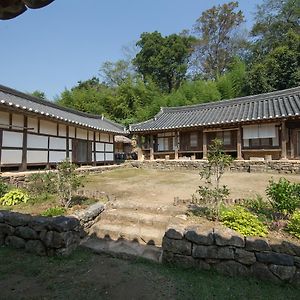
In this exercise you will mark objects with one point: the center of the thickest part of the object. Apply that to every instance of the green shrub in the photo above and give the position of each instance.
(3, 188)
(53, 212)
(243, 221)
(41, 183)
(284, 196)
(259, 206)
(14, 197)
(293, 226)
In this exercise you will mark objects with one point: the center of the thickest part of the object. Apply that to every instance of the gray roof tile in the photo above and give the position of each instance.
(10, 97)
(279, 104)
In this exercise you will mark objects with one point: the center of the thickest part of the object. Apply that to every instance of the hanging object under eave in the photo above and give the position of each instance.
(10, 9)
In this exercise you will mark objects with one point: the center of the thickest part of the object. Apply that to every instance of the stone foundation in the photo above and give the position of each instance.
(39, 235)
(228, 252)
(275, 166)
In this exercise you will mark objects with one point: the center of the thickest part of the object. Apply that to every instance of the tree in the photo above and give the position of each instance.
(219, 39)
(163, 60)
(38, 94)
(273, 19)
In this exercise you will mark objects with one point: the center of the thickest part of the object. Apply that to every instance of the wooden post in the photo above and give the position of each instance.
(23, 166)
(204, 145)
(94, 146)
(139, 148)
(239, 144)
(292, 143)
(176, 144)
(151, 148)
(283, 141)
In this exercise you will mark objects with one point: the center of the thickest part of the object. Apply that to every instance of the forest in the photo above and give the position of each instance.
(216, 59)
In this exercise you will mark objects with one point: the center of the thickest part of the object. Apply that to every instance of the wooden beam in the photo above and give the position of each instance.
(204, 145)
(151, 148)
(176, 145)
(239, 144)
(283, 140)
(23, 166)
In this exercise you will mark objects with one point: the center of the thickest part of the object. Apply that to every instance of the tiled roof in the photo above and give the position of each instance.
(269, 106)
(10, 97)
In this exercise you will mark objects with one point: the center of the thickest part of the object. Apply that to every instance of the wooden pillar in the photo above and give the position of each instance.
(176, 144)
(139, 148)
(94, 146)
(204, 145)
(151, 148)
(239, 144)
(292, 143)
(283, 141)
(23, 166)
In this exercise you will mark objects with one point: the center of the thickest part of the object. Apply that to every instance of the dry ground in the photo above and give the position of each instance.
(161, 186)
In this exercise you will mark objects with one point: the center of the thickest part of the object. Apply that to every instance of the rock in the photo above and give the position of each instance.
(6, 229)
(53, 239)
(35, 247)
(199, 236)
(184, 261)
(200, 251)
(40, 223)
(231, 268)
(245, 257)
(62, 224)
(275, 258)
(15, 242)
(90, 212)
(177, 246)
(255, 244)
(175, 233)
(17, 219)
(26, 233)
(297, 261)
(228, 237)
(2, 239)
(281, 246)
(65, 251)
(202, 264)
(167, 257)
(261, 271)
(296, 279)
(283, 272)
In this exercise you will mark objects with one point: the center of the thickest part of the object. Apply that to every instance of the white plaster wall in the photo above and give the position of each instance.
(32, 123)
(109, 147)
(37, 141)
(100, 156)
(104, 137)
(4, 119)
(109, 156)
(62, 130)
(47, 127)
(55, 156)
(72, 132)
(18, 120)
(70, 144)
(11, 157)
(12, 139)
(37, 156)
(58, 143)
(99, 147)
(81, 134)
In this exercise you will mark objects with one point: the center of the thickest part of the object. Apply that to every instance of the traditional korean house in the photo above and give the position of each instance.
(265, 126)
(35, 133)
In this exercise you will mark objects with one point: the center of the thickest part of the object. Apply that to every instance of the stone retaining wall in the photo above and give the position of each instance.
(228, 252)
(39, 235)
(274, 166)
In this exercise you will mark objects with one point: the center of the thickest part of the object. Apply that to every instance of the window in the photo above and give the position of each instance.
(225, 137)
(194, 139)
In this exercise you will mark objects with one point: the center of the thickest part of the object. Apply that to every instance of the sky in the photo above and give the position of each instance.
(53, 48)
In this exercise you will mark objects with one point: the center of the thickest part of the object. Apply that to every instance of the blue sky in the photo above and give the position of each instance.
(50, 49)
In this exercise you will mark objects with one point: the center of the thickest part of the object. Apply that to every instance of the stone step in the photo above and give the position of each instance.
(154, 209)
(134, 232)
(122, 249)
(128, 217)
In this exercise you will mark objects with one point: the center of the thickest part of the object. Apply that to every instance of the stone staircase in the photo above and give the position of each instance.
(133, 229)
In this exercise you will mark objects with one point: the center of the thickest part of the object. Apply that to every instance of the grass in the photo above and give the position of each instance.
(87, 276)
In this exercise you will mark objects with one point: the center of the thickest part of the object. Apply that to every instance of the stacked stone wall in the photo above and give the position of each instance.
(228, 252)
(39, 235)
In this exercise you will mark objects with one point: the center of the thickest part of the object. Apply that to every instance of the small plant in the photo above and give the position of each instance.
(243, 221)
(14, 197)
(211, 193)
(41, 183)
(67, 182)
(53, 212)
(3, 188)
(259, 206)
(284, 196)
(293, 226)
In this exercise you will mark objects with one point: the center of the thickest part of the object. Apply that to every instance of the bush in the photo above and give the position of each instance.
(53, 212)
(41, 184)
(3, 188)
(284, 196)
(293, 226)
(243, 221)
(14, 197)
(259, 206)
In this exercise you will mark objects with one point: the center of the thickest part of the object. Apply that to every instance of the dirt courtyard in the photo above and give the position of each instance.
(161, 186)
